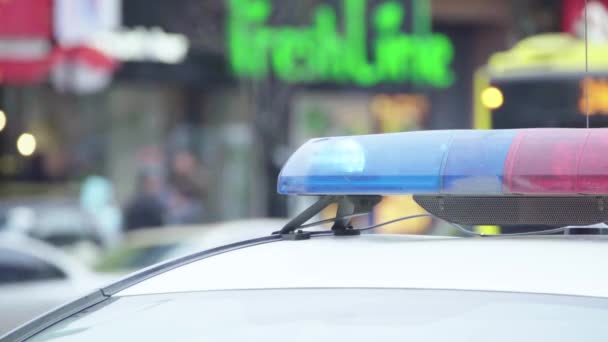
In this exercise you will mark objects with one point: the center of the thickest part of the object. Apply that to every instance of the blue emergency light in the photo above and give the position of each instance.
(455, 162)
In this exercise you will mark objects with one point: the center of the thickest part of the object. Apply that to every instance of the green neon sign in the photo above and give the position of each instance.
(323, 52)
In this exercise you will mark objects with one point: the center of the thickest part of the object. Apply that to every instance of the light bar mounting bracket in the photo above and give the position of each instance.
(348, 205)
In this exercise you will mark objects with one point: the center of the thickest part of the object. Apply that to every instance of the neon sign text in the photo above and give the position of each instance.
(323, 52)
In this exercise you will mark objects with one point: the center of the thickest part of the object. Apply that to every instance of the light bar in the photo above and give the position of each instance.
(465, 162)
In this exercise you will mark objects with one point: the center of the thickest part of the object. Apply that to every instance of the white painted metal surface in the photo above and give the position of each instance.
(552, 265)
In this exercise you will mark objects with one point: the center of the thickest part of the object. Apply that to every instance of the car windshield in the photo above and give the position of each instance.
(337, 315)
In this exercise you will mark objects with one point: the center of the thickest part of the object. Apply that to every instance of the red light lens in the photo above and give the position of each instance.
(544, 161)
(593, 165)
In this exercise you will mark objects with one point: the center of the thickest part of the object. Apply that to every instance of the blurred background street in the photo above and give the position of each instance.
(136, 131)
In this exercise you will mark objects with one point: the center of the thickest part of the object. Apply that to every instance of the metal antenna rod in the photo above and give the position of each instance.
(586, 68)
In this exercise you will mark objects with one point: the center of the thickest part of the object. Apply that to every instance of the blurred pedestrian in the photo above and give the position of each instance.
(98, 199)
(146, 209)
(188, 189)
(184, 208)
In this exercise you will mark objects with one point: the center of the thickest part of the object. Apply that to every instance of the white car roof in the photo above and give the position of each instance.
(568, 265)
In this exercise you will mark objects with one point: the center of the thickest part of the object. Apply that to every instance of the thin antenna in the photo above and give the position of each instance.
(586, 69)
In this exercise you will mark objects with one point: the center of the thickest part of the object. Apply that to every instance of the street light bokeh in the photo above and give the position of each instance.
(2, 120)
(26, 144)
(492, 98)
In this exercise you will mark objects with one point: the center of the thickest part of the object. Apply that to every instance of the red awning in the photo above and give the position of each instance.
(26, 52)
(21, 72)
(26, 19)
(31, 71)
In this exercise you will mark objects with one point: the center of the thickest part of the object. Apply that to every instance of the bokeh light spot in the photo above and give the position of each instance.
(492, 98)
(26, 144)
(2, 120)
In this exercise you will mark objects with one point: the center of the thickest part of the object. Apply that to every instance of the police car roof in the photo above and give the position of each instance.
(568, 265)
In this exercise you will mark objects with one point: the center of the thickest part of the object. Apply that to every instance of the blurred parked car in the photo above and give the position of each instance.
(59, 222)
(36, 277)
(142, 248)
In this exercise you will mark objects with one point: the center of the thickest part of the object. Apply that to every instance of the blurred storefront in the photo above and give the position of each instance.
(144, 97)
(222, 91)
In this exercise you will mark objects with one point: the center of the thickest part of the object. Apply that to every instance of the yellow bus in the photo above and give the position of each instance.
(541, 82)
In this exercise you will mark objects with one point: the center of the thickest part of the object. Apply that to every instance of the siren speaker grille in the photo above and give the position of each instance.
(489, 210)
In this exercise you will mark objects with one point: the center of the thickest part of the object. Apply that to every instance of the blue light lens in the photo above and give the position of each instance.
(369, 164)
(343, 156)
(475, 162)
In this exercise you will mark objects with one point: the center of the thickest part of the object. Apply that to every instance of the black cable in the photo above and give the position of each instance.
(470, 232)
(379, 224)
(393, 221)
(457, 226)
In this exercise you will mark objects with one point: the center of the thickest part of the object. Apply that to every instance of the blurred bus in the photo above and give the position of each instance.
(541, 82)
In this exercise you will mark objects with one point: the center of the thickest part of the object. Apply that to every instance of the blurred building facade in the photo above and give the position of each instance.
(166, 85)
